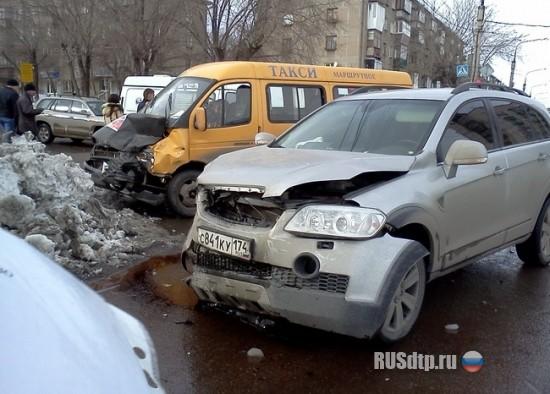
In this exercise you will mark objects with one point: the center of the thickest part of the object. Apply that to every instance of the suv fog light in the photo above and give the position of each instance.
(306, 266)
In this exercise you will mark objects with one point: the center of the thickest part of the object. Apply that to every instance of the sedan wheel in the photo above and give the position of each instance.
(405, 305)
(44, 133)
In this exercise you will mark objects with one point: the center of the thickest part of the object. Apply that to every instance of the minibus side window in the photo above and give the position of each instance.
(340, 91)
(228, 105)
(289, 103)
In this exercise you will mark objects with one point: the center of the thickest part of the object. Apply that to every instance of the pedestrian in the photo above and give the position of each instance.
(112, 109)
(148, 96)
(26, 113)
(8, 108)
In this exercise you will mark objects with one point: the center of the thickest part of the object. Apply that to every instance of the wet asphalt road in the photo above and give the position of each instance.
(501, 307)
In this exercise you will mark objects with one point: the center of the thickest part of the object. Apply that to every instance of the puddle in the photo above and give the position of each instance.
(164, 275)
(167, 280)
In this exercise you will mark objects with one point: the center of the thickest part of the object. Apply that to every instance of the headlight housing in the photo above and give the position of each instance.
(146, 157)
(336, 221)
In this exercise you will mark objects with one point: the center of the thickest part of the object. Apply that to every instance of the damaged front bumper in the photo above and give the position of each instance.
(348, 295)
(125, 173)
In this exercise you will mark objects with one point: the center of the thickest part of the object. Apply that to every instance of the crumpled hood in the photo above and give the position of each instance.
(277, 169)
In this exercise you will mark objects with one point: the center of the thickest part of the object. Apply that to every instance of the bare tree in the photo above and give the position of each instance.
(239, 29)
(32, 38)
(75, 25)
(460, 16)
(145, 27)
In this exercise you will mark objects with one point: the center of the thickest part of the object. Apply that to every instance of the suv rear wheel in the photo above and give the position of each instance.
(182, 191)
(536, 250)
(44, 134)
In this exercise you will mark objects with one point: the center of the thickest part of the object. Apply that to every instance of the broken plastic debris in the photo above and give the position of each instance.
(255, 354)
(452, 328)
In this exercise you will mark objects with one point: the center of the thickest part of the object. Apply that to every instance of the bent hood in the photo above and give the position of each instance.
(275, 170)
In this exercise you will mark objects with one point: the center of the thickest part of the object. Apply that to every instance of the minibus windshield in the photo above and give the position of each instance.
(177, 97)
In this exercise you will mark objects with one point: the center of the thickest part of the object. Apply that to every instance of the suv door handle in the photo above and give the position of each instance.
(543, 156)
(499, 170)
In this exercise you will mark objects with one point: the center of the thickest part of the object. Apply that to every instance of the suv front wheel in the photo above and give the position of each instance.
(405, 305)
(536, 250)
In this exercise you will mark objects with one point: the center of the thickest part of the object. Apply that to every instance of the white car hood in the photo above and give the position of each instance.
(275, 170)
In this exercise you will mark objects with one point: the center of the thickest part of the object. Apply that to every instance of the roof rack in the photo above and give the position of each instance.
(486, 86)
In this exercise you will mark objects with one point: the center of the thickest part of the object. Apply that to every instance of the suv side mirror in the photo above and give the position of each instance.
(85, 112)
(263, 138)
(463, 152)
(200, 119)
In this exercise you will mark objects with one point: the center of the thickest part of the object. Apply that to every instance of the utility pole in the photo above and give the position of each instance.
(477, 47)
(513, 69)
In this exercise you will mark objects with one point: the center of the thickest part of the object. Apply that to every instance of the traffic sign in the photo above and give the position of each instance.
(462, 70)
(26, 71)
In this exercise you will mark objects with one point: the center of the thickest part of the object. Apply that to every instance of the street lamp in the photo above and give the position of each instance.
(529, 72)
(511, 84)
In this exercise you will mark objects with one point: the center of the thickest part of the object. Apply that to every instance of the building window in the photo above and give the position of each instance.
(403, 5)
(404, 51)
(402, 27)
(434, 25)
(287, 45)
(421, 38)
(332, 15)
(421, 17)
(288, 20)
(330, 43)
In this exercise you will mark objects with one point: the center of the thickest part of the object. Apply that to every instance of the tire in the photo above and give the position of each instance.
(405, 304)
(181, 192)
(44, 134)
(536, 249)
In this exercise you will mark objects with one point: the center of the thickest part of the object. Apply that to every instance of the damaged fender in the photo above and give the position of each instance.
(170, 153)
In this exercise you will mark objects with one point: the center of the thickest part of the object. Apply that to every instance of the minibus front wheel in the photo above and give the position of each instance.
(182, 191)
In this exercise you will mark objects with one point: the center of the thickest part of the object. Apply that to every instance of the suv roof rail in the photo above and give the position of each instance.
(486, 86)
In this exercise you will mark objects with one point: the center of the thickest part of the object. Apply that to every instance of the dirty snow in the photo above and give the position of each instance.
(51, 202)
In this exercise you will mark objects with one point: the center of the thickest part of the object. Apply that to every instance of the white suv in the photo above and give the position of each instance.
(339, 223)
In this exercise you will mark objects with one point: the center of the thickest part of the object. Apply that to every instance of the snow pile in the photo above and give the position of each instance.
(52, 203)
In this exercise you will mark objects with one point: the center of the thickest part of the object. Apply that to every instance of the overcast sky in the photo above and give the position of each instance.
(533, 55)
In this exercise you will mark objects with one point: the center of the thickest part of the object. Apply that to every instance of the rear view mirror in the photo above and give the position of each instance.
(263, 138)
(200, 119)
(463, 152)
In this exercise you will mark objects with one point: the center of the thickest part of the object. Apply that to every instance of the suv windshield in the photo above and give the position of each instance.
(177, 97)
(389, 127)
(95, 106)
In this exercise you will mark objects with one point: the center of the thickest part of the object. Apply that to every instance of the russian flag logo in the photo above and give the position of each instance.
(472, 361)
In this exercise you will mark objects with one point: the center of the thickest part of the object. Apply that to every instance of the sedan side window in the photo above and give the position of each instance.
(470, 122)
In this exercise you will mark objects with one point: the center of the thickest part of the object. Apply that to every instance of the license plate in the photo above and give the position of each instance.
(233, 246)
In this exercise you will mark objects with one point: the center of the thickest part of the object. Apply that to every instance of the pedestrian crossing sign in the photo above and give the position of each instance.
(462, 70)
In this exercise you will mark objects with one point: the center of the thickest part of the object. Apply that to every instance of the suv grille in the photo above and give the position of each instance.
(243, 208)
(219, 264)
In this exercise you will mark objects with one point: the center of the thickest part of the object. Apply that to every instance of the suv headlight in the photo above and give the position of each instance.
(336, 221)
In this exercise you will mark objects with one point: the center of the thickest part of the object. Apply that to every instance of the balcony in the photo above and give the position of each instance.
(374, 52)
(403, 15)
(399, 64)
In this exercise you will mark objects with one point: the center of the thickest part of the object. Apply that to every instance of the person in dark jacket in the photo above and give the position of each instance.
(8, 105)
(25, 111)
(148, 96)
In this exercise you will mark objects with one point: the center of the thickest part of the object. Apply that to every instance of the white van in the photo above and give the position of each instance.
(132, 90)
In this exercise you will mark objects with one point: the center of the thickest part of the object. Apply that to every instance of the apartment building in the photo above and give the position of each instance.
(385, 34)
